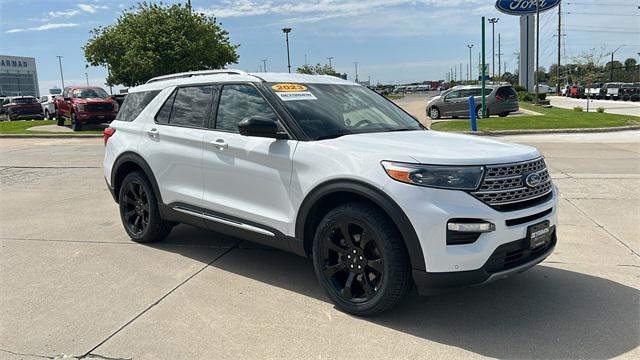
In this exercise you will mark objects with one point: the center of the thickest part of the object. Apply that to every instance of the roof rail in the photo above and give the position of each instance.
(197, 73)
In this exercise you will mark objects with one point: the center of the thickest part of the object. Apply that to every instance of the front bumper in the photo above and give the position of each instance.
(95, 118)
(507, 260)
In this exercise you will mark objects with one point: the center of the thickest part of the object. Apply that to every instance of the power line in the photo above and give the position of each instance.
(597, 14)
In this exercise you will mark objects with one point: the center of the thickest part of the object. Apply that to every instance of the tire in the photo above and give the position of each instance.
(75, 124)
(47, 116)
(504, 114)
(363, 279)
(59, 119)
(434, 113)
(138, 203)
(479, 112)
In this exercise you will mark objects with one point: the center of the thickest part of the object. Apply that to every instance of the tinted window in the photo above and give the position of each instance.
(134, 103)
(25, 100)
(507, 91)
(238, 102)
(453, 95)
(90, 93)
(165, 111)
(43, 99)
(191, 106)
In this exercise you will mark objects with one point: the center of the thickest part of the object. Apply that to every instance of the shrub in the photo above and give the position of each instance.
(600, 109)
(578, 109)
(524, 96)
(542, 96)
(519, 88)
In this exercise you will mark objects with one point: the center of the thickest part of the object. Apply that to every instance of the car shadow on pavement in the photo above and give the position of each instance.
(545, 312)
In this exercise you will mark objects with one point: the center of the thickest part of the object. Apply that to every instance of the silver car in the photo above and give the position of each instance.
(501, 100)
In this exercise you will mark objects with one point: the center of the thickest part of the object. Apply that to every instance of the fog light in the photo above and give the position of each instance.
(476, 227)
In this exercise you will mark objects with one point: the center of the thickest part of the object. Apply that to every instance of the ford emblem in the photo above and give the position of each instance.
(532, 180)
(524, 7)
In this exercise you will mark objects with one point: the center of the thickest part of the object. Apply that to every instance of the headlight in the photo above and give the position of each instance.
(446, 177)
(80, 107)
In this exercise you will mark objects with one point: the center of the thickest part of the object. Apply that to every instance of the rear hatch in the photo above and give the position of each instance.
(25, 106)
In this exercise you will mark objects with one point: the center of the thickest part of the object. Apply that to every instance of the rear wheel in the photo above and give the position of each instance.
(76, 125)
(47, 116)
(479, 114)
(504, 114)
(360, 259)
(139, 210)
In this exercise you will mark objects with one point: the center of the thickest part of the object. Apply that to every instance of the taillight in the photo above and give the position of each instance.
(500, 97)
(108, 132)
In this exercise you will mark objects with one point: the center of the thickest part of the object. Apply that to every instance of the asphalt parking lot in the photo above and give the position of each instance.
(72, 283)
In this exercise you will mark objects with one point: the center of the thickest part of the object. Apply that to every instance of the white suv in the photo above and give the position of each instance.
(329, 169)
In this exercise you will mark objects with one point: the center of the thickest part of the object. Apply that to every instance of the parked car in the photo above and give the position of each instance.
(629, 92)
(542, 88)
(610, 90)
(21, 108)
(48, 106)
(592, 91)
(577, 91)
(322, 167)
(565, 91)
(84, 105)
(500, 100)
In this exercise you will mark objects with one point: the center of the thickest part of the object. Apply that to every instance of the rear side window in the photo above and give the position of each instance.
(134, 103)
(238, 102)
(187, 106)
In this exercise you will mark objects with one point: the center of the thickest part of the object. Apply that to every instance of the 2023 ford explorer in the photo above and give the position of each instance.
(326, 168)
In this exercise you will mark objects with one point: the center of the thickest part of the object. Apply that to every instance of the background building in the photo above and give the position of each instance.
(18, 76)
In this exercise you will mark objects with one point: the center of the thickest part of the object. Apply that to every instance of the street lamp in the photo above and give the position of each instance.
(286, 32)
(330, 58)
(470, 68)
(264, 67)
(356, 65)
(493, 22)
(612, 53)
(61, 75)
(87, 77)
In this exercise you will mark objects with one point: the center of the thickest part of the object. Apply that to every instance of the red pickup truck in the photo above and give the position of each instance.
(85, 105)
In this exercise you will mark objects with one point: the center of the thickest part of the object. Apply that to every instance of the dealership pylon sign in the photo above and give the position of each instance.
(526, 9)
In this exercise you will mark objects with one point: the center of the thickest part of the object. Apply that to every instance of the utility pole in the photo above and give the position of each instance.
(559, 46)
(460, 71)
(470, 46)
(305, 60)
(87, 77)
(330, 58)
(499, 58)
(356, 65)
(286, 32)
(484, 100)
(493, 22)
(537, 47)
(264, 64)
(61, 75)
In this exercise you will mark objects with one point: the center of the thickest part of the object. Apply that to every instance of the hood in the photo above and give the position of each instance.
(433, 147)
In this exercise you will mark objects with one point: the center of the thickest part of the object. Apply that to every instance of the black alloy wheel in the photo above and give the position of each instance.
(139, 210)
(360, 259)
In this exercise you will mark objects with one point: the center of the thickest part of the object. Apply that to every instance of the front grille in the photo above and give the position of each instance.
(99, 107)
(505, 184)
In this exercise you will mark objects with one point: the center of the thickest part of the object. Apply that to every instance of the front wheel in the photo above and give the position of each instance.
(360, 259)
(139, 210)
(479, 114)
(59, 119)
(76, 125)
(434, 113)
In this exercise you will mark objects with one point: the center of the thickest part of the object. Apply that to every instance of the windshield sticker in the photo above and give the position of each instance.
(298, 95)
(289, 87)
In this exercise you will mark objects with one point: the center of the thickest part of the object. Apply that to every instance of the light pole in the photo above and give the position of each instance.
(493, 22)
(356, 65)
(61, 75)
(286, 32)
(470, 46)
(264, 65)
(330, 58)
(536, 75)
(87, 77)
(612, 53)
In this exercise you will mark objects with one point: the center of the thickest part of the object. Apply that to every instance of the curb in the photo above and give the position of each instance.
(548, 131)
(49, 136)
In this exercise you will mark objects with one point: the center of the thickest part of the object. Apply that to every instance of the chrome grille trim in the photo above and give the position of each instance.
(504, 184)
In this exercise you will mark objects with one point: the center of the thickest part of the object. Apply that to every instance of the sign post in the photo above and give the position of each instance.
(472, 112)
(484, 100)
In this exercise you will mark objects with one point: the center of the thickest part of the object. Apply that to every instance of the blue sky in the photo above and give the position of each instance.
(393, 40)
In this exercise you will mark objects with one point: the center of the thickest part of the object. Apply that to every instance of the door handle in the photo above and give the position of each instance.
(220, 144)
(153, 132)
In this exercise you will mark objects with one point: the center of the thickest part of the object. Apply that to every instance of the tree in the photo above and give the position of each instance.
(317, 69)
(149, 40)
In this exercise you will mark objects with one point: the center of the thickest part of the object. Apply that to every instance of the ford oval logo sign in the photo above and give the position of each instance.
(532, 180)
(524, 7)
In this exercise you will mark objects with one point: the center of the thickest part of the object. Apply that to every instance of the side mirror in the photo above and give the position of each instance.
(67, 99)
(260, 126)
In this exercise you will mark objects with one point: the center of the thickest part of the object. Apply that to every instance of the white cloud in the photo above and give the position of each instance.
(92, 9)
(44, 27)
(66, 13)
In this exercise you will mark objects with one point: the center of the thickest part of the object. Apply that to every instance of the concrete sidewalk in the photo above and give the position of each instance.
(72, 283)
(610, 106)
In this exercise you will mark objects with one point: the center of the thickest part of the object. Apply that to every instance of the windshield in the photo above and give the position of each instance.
(24, 100)
(90, 93)
(326, 111)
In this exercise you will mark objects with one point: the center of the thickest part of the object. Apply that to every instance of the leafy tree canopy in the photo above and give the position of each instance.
(150, 40)
(317, 69)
